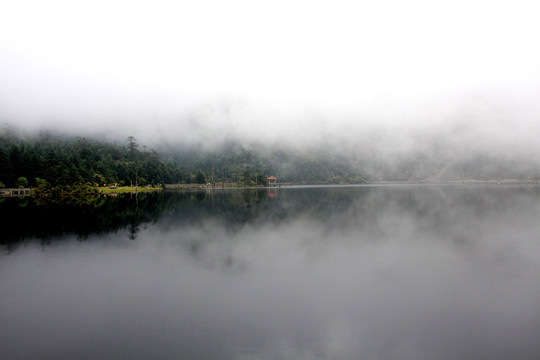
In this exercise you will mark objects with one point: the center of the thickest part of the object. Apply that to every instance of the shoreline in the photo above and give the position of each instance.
(127, 189)
(4, 193)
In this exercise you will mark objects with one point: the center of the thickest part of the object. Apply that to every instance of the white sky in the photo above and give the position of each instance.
(266, 67)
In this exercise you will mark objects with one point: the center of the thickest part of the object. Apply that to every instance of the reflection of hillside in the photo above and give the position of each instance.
(378, 212)
(233, 208)
(49, 221)
(236, 208)
(216, 228)
(360, 214)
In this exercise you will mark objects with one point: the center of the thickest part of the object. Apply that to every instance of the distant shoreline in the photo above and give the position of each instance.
(457, 182)
(367, 183)
(131, 189)
(127, 189)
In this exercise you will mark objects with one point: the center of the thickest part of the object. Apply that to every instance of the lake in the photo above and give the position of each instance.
(357, 272)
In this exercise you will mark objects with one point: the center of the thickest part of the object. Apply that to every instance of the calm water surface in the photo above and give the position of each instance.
(388, 272)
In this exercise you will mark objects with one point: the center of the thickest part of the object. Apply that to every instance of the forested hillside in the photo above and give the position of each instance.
(30, 161)
(61, 161)
(243, 163)
(27, 161)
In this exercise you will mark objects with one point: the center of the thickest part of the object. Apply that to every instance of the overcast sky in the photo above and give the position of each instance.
(193, 70)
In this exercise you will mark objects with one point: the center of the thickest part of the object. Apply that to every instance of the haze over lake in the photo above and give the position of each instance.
(358, 272)
(233, 92)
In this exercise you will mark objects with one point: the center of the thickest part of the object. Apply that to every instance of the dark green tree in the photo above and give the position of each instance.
(5, 166)
(22, 182)
(132, 147)
(200, 177)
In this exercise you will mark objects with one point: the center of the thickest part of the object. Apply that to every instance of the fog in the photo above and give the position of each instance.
(391, 77)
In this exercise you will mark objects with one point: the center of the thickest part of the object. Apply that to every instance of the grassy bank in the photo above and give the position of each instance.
(127, 189)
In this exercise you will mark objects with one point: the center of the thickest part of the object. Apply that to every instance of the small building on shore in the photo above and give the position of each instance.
(272, 181)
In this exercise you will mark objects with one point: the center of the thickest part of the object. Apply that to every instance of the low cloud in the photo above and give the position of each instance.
(362, 80)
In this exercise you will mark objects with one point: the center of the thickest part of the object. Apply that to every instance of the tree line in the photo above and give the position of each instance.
(251, 163)
(61, 161)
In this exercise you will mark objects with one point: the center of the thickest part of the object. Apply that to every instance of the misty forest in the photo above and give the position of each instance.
(68, 161)
(238, 180)
(61, 160)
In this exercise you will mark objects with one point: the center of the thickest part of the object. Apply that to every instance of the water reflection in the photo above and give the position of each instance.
(316, 273)
(51, 221)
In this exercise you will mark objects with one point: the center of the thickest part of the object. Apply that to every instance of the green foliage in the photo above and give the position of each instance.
(260, 180)
(200, 178)
(22, 182)
(40, 181)
(142, 181)
(65, 162)
(99, 179)
(77, 193)
(132, 147)
(251, 165)
(2, 185)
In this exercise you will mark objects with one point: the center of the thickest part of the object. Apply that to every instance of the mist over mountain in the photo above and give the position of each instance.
(488, 138)
(479, 140)
(351, 91)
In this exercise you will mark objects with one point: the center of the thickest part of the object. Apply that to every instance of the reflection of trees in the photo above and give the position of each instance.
(49, 221)
(370, 208)
(236, 208)
(133, 230)
(376, 210)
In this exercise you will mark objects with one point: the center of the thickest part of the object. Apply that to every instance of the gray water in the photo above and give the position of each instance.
(388, 272)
